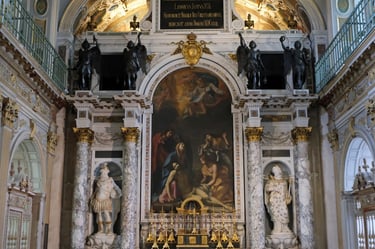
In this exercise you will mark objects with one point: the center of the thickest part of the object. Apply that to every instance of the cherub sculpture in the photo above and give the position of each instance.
(135, 58)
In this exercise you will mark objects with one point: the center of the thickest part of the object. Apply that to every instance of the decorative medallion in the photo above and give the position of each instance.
(192, 50)
(343, 5)
(41, 7)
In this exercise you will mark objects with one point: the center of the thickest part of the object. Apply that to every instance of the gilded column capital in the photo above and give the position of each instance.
(253, 134)
(51, 142)
(131, 134)
(301, 134)
(9, 113)
(84, 135)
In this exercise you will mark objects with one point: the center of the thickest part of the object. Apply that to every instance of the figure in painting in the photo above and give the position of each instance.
(169, 192)
(88, 58)
(216, 178)
(203, 95)
(101, 200)
(175, 159)
(217, 145)
(186, 189)
(135, 58)
(249, 61)
(163, 143)
(277, 197)
(295, 59)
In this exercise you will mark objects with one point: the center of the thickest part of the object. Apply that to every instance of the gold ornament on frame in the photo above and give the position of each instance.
(191, 49)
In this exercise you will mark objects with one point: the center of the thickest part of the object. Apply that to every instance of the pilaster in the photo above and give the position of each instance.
(55, 161)
(9, 115)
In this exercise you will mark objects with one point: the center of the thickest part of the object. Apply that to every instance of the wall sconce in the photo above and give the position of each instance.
(249, 23)
(134, 25)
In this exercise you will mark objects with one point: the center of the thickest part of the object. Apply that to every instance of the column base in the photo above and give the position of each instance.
(103, 241)
(282, 241)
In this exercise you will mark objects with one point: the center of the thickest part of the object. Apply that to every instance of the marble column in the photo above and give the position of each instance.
(255, 228)
(129, 205)
(8, 117)
(304, 190)
(85, 137)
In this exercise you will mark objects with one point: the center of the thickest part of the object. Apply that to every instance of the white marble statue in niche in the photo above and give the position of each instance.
(277, 197)
(102, 200)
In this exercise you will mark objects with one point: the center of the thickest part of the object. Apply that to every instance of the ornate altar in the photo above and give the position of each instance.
(192, 227)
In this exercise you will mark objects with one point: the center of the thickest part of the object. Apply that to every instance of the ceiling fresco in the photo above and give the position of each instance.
(116, 15)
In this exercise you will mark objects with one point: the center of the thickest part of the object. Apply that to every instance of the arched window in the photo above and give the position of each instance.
(358, 151)
(358, 219)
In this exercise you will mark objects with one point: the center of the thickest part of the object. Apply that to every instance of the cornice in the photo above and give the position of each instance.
(275, 99)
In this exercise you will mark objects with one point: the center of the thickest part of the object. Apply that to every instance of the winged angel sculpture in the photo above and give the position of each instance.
(249, 61)
(88, 63)
(134, 59)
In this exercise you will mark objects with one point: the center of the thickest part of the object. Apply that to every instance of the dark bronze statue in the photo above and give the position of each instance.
(135, 58)
(88, 60)
(249, 61)
(297, 60)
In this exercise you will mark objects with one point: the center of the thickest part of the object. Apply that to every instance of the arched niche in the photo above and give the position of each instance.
(116, 173)
(288, 176)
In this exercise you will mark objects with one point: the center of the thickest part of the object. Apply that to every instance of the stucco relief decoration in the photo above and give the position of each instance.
(51, 142)
(277, 138)
(107, 138)
(371, 75)
(191, 49)
(370, 106)
(333, 139)
(10, 112)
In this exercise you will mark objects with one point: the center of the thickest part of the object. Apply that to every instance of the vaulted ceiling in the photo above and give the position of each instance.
(116, 15)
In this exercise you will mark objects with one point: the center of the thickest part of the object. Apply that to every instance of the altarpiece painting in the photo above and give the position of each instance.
(192, 142)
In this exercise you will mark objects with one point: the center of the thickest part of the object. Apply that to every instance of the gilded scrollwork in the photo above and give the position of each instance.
(282, 138)
(333, 139)
(51, 142)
